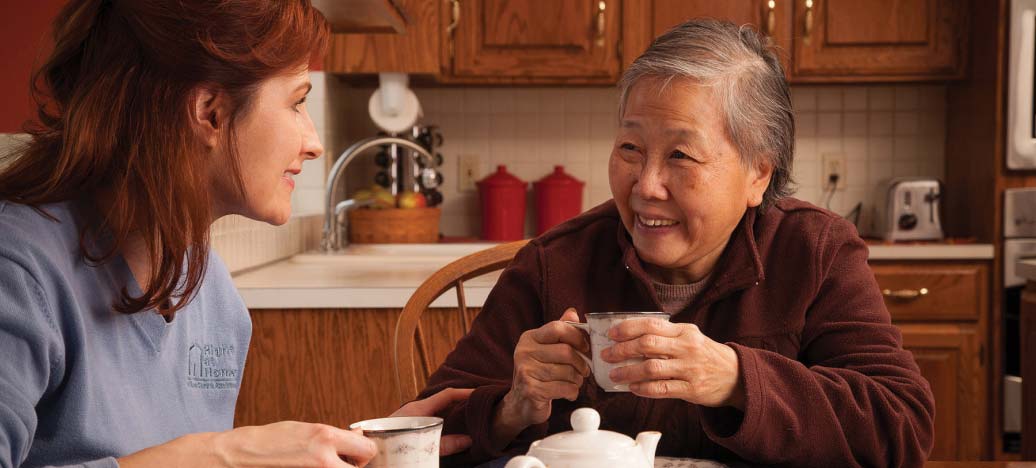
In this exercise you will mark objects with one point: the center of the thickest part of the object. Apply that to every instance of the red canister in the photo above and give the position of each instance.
(559, 197)
(503, 206)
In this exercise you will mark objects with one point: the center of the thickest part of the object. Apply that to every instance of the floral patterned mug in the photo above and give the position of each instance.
(411, 442)
(597, 326)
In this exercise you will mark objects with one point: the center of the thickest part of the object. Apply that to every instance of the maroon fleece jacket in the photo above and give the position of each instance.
(827, 380)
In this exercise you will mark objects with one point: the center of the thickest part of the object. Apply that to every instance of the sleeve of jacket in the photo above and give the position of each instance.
(484, 358)
(31, 348)
(854, 397)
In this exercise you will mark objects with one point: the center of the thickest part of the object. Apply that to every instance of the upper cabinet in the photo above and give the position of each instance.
(533, 40)
(591, 41)
(355, 16)
(644, 20)
(878, 40)
(416, 50)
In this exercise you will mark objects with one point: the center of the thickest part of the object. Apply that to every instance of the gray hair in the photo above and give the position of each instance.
(749, 79)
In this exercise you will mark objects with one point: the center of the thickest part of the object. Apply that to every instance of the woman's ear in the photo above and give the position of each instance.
(758, 181)
(207, 115)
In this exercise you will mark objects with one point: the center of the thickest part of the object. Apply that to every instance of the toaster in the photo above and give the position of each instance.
(907, 208)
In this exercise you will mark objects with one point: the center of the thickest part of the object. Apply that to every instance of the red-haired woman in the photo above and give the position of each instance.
(123, 338)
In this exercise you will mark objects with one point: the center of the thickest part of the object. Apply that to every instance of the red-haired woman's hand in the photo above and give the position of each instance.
(282, 444)
(294, 444)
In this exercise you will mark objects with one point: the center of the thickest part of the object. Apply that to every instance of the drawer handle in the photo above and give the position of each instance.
(601, 6)
(905, 294)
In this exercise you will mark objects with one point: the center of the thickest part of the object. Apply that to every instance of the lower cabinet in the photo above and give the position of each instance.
(331, 366)
(949, 357)
(942, 308)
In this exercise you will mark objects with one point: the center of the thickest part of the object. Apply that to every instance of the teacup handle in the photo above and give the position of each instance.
(586, 328)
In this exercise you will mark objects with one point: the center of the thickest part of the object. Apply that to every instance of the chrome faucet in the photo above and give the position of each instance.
(333, 230)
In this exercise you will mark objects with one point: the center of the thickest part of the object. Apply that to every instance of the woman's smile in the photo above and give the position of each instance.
(289, 177)
(655, 225)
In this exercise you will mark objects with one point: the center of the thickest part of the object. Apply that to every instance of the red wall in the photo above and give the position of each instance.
(24, 35)
(24, 40)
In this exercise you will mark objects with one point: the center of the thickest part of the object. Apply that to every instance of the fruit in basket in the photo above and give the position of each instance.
(363, 195)
(412, 200)
(383, 199)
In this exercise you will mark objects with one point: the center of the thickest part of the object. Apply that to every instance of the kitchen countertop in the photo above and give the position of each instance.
(1026, 269)
(386, 275)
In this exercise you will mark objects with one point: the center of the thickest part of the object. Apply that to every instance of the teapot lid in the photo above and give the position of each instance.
(585, 435)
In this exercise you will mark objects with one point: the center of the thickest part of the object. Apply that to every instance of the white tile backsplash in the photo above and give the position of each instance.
(881, 98)
(243, 243)
(882, 131)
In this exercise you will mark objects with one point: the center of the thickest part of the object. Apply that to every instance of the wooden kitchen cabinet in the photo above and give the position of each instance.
(532, 41)
(952, 291)
(414, 51)
(493, 42)
(949, 357)
(945, 328)
(878, 40)
(331, 366)
(575, 42)
(644, 20)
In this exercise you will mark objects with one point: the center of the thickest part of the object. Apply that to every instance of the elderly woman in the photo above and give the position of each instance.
(780, 349)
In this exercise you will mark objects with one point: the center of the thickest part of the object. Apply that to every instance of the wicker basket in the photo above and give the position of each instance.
(394, 226)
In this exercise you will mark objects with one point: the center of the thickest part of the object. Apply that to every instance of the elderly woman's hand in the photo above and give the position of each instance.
(547, 366)
(681, 363)
(450, 443)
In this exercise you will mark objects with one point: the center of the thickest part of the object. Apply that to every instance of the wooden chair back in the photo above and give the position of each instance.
(411, 355)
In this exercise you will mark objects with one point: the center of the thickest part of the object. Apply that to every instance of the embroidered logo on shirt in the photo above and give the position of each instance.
(211, 366)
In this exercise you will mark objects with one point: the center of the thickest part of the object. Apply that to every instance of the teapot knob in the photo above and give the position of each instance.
(585, 420)
(525, 461)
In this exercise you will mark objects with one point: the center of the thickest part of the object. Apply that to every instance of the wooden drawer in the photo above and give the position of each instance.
(934, 291)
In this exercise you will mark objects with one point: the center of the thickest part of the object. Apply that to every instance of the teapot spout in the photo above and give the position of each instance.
(648, 441)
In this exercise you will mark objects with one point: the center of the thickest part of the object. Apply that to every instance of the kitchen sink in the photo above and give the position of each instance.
(395, 253)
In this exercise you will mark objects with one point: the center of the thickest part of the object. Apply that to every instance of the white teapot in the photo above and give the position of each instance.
(588, 447)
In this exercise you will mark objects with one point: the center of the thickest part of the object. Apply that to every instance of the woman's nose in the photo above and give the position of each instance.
(311, 146)
(651, 184)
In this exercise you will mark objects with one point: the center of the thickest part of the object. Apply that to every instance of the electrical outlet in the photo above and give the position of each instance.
(469, 170)
(832, 165)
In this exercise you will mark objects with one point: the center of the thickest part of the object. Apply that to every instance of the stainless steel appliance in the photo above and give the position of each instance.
(907, 208)
(1021, 127)
(1019, 244)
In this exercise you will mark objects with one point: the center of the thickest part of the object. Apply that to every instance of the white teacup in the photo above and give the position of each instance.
(411, 442)
(597, 326)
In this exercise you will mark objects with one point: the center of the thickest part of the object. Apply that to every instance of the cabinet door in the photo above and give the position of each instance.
(934, 291)
(878, 40)
(644, 20)
(414, 51)
(333, 366)
(949, 357)
(534, 41)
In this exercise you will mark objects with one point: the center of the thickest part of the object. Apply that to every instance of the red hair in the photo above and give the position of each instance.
(114, 120)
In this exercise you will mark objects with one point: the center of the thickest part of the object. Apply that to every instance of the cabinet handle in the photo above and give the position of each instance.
(808, 21)
(601, 5)
(904, 294)
(454, 21)
(771, 17)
